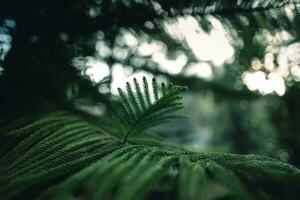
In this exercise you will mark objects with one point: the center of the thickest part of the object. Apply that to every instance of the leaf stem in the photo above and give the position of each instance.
(130, 131)
(126, 137)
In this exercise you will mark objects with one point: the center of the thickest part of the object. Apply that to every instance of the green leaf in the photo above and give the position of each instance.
(136, 112)
(73, 159)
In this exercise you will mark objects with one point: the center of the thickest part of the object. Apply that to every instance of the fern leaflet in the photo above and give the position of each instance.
(137, 111)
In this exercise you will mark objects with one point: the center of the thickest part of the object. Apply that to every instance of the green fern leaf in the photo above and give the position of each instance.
(146, 90)
(139, 94)
(69, 158)
(155, 89)
(136, 112)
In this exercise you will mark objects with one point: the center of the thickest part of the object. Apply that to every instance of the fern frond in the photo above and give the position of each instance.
(133, 100)
(146, 90)
(126, 106)
(136, 112)
(230, 180)
(139, 95)
(73, 160)
(192, 180)
(155, 89)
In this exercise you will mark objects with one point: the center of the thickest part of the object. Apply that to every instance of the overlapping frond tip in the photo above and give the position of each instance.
(139, 110)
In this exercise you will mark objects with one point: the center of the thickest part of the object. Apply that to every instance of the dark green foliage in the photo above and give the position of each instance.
(50, 153)
(137, 112)
(57, 155)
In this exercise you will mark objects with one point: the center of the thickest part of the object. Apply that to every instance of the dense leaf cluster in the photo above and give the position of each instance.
(136, 111)
(52, 154)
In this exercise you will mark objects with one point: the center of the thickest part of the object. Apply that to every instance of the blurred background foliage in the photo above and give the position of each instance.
(239, 58)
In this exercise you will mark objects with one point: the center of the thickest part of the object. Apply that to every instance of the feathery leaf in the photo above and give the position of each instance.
(136, 112)
(146, 91)
(72, 159)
